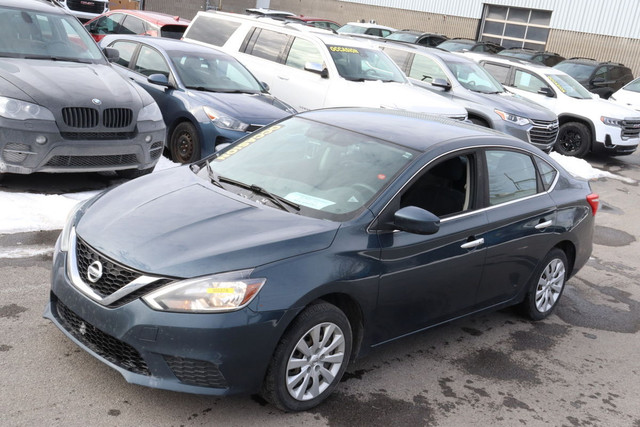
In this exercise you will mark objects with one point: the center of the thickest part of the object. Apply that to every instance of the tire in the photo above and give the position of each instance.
(547, 285)
(133, 173)
(574, 139)
(297, 383)
(184, 145)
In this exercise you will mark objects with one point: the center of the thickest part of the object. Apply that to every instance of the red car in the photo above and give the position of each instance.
(318, 22)
(137, 22)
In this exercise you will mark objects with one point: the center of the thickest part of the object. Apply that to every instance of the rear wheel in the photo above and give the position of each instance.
(310, 359)
(546, 286)
(185, 143)
(574, 139)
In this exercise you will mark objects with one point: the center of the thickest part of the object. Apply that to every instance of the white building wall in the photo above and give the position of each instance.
(620, 18)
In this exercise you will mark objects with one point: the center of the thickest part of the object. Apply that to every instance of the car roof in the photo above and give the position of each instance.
(416, 131)
(157, 18)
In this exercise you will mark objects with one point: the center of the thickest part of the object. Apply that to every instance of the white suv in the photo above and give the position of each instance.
(85, 10)
(310, 68)
(587, 122)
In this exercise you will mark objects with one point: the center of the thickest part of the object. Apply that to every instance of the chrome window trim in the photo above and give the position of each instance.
(472, 212)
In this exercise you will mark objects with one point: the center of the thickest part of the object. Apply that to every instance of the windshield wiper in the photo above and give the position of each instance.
(59, 58)
(206, 89)
(281, 202)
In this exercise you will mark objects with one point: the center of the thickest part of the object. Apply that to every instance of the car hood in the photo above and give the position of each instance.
(252, 108)
(515, 104)
(400, 96)
(172, 223)
(51, 83)
(612, 109)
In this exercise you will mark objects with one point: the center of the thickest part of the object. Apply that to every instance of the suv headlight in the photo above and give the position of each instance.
(21, 110)
(508, 117)
(150, 112)
(210, 294)
(225, 121)
(610, 121)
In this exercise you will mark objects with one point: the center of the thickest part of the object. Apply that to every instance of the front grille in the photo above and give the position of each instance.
(98, 136)
(543, 132)
(156, 150)
(93, 161)
(89, 6)
(80, 117)
(117, 117)
(106, 346)
(196, 372)
(114, 276)
(630, 129)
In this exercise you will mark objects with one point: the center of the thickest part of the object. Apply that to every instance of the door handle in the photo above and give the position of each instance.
(283, 77)
(544, 225)
(472, 244)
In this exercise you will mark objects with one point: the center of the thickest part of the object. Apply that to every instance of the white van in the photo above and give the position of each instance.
(311, 68)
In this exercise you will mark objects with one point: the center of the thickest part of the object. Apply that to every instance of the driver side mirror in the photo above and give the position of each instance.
(413, 219)
(598, 81)
(547, 91)
(112, 54)
(441, 83)
(317, 68)
(159, 79)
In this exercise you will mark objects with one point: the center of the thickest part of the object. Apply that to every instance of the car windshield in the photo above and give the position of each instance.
(454, 46)
(213, 72)
(40, 35)
(403, 37)
(569, 86)
(634, 86)
(326, 171)
(521, 55)
(575, 70)
(352, 29)
(474, 77)
(360, 64)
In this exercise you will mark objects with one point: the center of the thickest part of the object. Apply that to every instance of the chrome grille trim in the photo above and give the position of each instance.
(543, 132)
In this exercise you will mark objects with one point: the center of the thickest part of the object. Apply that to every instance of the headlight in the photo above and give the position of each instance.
(20, 110)
(224, 121)
(610, 121)
(209, 294)
(150, 112)
(508, 117)
(71, 220)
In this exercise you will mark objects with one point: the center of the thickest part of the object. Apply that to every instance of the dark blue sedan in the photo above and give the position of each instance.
(276, 261)
(207, 97)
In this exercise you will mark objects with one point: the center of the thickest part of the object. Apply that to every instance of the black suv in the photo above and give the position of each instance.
(546, 58)
(461, 44)
(417, 37)
(602, 78)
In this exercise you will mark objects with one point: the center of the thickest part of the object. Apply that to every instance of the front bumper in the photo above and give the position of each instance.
(213, 354)
(78, 152)
(542, 135)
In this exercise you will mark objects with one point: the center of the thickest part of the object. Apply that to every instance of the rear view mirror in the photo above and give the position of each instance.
(317, 68)
(442, 83)
(598, 81)
(547, 92)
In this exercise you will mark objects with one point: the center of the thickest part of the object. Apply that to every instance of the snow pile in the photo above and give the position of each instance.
(582, 169)
(24, 212)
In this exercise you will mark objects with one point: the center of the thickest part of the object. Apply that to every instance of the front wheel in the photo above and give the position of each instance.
(546, 286)
(310, 359)
(184, 143)
(574, 139)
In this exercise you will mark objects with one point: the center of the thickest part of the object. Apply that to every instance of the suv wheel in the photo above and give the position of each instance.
(574, 139)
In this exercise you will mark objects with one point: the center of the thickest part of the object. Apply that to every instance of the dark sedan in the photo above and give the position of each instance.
(207, 97)
(273, 263)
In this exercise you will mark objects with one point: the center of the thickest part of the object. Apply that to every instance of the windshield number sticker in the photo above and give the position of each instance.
(343, 49)
(556, 83)
(247, 142)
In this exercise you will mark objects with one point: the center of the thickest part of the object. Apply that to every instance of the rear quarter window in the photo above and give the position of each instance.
(211, 30)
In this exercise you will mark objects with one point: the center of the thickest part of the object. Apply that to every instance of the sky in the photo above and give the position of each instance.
(28, 212)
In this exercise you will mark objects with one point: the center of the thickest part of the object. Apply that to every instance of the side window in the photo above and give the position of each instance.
(500, 72)
(268, 45)
(426, 69)
(547, 173)
(106, 24)
(444, 189)
(133, 25)
(384, 33)
(400, 57)
(601, 72)
(150, 61)
(301, 52)
(211, 30)
(126, 50)
(527, 81)
(512, 176)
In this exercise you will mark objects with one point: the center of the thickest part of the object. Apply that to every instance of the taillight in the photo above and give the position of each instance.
(594, 202)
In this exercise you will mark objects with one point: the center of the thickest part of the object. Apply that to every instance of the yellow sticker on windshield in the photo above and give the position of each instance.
(244, 144)
(556, 83)
(343, 49)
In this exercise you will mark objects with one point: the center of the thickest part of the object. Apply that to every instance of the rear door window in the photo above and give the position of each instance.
(267, 44)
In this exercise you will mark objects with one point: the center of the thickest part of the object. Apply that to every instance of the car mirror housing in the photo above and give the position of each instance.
(598, 81)
(159, 79)
(265, 86)
(546, 91)
(442, 83)
(112, 54)
(317, 68)
(413, 219)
